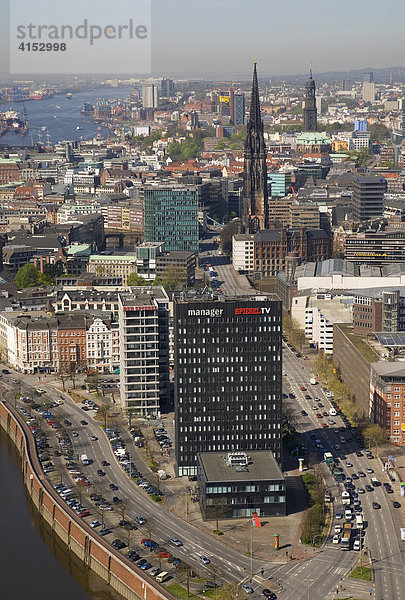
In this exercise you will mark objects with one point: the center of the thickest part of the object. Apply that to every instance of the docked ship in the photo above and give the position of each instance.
(69, 96)
(13, 121)
(87, 108)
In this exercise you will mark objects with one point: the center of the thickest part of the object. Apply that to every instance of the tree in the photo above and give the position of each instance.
(73, 372)
(134, 279)
(379, 132)
(376, 435)
(226, 236)
(229, 591)
(104, 412)
(63, 376)
(298, 338)
(27, 276)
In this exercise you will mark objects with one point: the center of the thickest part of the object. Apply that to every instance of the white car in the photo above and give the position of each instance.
(336, 539)
(338, 529)
(246, 588)
(205, 560)
(94, 524)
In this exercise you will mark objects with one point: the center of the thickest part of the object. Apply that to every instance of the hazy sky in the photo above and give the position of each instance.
(220, 38)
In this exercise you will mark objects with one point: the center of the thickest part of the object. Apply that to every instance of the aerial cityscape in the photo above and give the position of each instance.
(202, 322)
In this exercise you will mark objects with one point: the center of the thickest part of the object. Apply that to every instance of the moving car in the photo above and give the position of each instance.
(175, 542)
(205, 560)
(246, 588)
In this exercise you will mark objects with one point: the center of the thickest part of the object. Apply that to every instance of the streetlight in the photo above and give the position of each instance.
(318, 535)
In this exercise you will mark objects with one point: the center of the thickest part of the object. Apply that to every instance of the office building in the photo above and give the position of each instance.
(235, 485)
(237, 108)
(310, 112)
(368, 93)
(377, 310)
(376, 248)
(368, 197)
(143, 315)
(149, 95)
(167, 88)
(255, 188)
(171, 215)
(228, 377)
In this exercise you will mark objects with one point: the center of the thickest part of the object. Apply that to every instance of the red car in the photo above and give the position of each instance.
(325, 425)
(164, 554)
(319, 416)
(84, 513)
(303, 389)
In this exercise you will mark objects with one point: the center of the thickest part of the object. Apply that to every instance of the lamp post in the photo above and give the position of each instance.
(318, 535)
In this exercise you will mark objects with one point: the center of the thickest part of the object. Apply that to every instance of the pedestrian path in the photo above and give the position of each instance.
(353, 588)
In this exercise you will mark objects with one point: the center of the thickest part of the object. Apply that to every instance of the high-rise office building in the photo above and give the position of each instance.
(228, 377)
(167, 88)
(255, 192)
(310, 112)
(171, 215)
(368, 94)
(149, 95)
(144, 350)
(368, 197)
(237, 108)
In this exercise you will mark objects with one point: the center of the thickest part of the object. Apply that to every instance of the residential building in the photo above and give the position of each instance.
(368, 197)
(117, 264)
(387, 399)
(235, 485)
(228, 377)
(144, 350)
(99, 345)
(36, 344)
(71, 342)
(171, 215)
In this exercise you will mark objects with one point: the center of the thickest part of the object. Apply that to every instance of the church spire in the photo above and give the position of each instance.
(255, 193)
(254, 101)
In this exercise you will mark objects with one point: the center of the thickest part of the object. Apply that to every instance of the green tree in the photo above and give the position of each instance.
(226, 236)
(375, 435)
(135, 279)
(379, 132)
(27, 276)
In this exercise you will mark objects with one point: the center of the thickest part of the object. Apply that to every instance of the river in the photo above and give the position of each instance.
(36, 565)
(60, 122)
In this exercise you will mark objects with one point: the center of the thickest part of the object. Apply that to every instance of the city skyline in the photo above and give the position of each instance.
(284, 39)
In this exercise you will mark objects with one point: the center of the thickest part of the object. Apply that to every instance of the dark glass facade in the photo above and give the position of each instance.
(228, 377)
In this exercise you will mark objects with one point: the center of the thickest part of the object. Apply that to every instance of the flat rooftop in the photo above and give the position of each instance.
(142, 295)
(262, 466)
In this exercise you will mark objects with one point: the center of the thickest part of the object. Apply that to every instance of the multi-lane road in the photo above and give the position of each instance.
(228, 564)
(315, 578)
(325, 571)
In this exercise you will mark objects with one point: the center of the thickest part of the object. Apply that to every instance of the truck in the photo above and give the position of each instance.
(84, 459)
(328, 458)
(313, 381)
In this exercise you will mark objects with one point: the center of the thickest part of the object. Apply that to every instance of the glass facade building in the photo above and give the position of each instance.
(171, 216)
